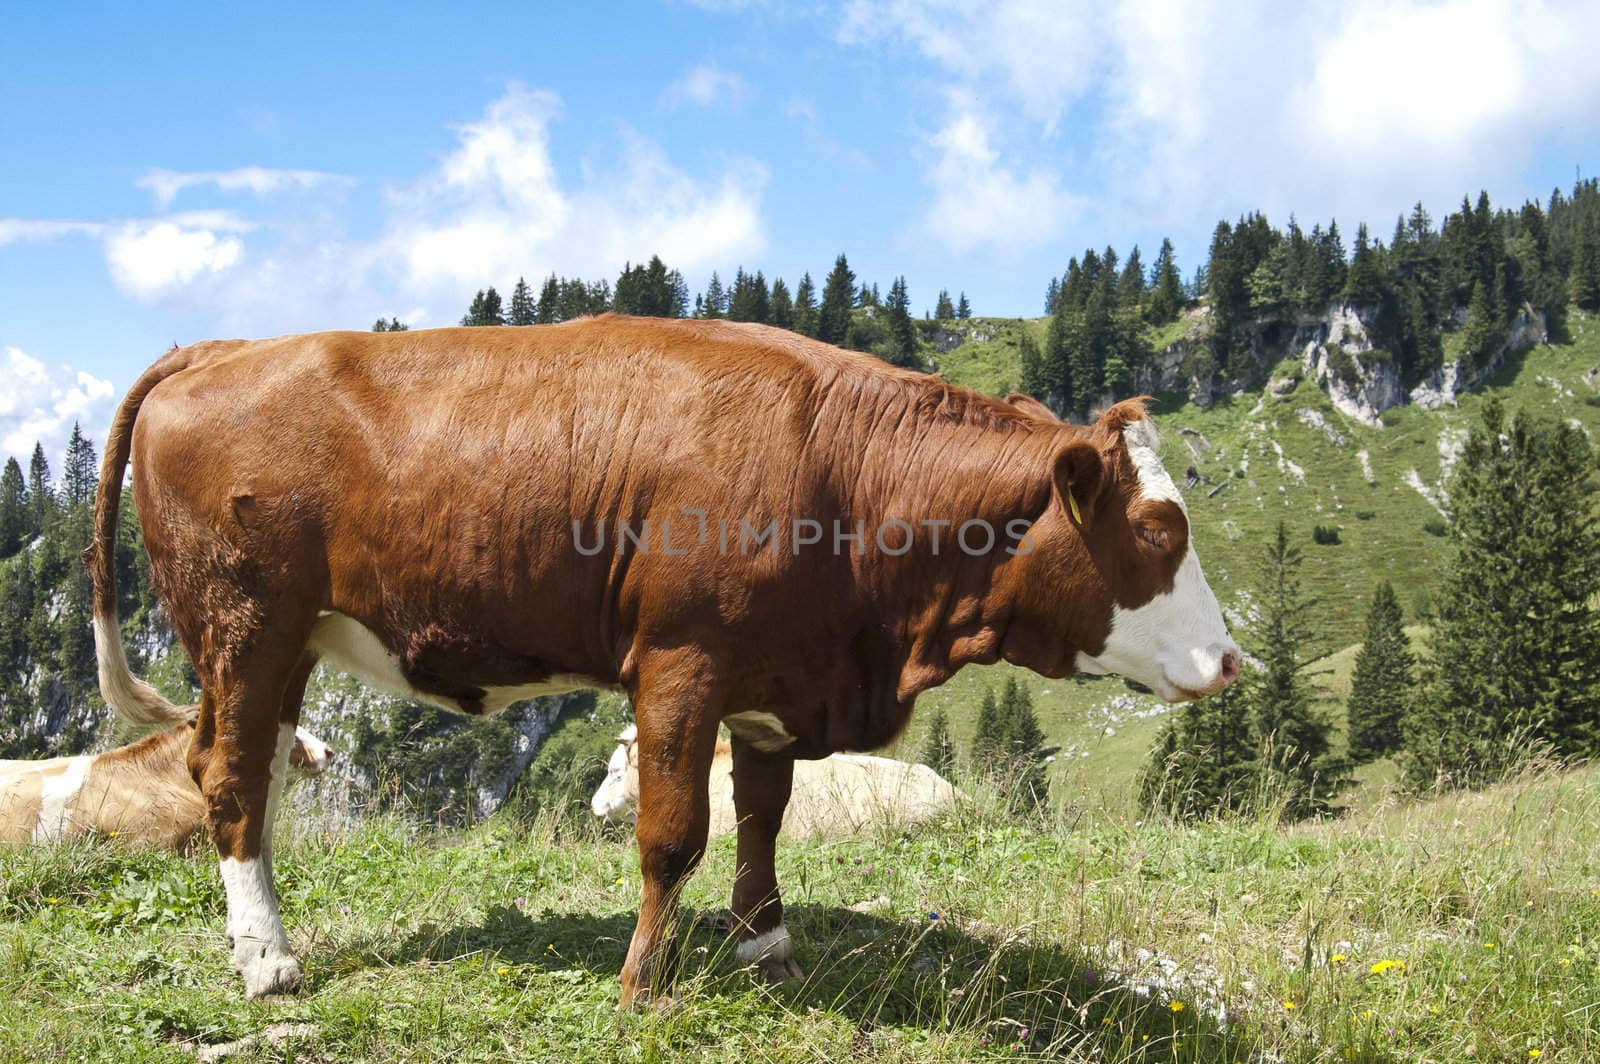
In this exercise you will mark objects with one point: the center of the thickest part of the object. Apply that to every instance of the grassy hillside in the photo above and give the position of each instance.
(1463, 928)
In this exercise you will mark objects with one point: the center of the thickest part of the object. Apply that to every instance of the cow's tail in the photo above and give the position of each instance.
(130, 696)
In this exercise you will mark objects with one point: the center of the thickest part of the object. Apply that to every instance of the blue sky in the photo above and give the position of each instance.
(175, 173)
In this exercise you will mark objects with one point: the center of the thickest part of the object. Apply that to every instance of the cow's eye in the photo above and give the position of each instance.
(1155, 536)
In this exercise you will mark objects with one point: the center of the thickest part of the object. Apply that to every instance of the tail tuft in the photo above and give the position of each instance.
(124, 692)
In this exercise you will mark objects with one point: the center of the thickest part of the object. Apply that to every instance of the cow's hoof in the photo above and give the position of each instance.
(771, 954)
(774, 970)
(266, 972)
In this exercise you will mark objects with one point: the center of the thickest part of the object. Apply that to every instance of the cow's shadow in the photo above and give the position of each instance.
(921, 972)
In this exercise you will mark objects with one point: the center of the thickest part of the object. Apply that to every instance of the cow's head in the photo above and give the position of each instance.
(618, 795)
(1113, 583)
(309, 755)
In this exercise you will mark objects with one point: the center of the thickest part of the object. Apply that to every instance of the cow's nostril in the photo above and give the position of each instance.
(1230, 666)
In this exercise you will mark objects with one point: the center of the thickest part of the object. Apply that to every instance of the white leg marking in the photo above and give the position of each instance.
(774, 945)
(261, 950)
(55, 791)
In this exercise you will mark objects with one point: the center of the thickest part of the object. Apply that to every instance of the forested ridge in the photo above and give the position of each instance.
(1431, 294)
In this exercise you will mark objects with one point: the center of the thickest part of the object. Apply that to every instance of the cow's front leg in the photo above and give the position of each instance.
(761, 785)
(677, 739)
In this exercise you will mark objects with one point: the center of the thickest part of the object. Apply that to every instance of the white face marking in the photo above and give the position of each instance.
(615, 796)
(1175, 642)
(310, 754)
(353, 647)
(55, 792)
(775, 945)
(764, 731)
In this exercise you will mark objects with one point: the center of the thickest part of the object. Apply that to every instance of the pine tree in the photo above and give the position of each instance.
(1364, 280)
(838, 293)
(1130, 285)
(781, 312)
(1033, 382)
(523, 309)
(1296, 735)
(805, 306)
(716, 297)
(1485, 331)
(41, 493)
(902, 346)
(944, 310)
(1516, 641)
(1204, 764)
(1025, 771)
(988, 737)
(1382, 687)
(1166, 296)
(390, 325)
(549, 302)
(79, 475)
(963, 308)
(939, 750)
(15, 518)
(1583, 282)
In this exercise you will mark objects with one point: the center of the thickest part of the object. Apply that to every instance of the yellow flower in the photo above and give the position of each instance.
(1367, 1014)
(1176, 1006)
(502, 970)
(1336, 958)
(1488, 945)
(1535, 1052)
(1288, 1004)
(1384, 966)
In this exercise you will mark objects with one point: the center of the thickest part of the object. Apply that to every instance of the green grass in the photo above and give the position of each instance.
(1081, 938)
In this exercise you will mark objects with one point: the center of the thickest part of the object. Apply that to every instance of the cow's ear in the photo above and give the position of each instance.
(1080, 470)
(1029, 404)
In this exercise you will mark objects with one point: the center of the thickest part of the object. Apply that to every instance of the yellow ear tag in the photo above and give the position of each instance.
(1072, 504)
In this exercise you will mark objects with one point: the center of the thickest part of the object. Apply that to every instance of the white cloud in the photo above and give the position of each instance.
(42, 402)
(1177, 112)
(44, 230)
(165, 185)
(707, 85)
(980, 202)
(496, 208)
(149, 260)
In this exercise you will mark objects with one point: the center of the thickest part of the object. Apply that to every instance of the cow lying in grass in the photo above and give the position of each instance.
(142, 793)
(839, 795)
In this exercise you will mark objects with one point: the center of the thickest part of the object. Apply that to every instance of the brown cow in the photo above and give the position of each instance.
(141, 793)
(732, 523)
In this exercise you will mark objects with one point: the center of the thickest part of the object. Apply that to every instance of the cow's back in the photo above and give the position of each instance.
(440, 484)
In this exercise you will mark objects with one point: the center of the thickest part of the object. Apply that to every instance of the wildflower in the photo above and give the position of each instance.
(1175, 1006)
(502, 970)
(619, 881)
(1488, 945)
(1289, 1005)
(1384, 966)
(550, 948)
(1337, 958)
(933, 916)
(1535, 1052)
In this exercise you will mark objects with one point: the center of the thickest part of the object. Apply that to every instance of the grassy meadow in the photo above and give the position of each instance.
(1465, 927)
(1455, 929)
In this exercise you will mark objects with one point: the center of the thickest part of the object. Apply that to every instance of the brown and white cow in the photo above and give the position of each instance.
(141, 793)
(842, 794)
(474, 516)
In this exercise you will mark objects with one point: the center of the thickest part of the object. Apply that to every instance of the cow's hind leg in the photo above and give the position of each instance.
(761, 785)
(677, 738)
(240, 758)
